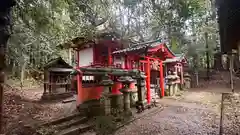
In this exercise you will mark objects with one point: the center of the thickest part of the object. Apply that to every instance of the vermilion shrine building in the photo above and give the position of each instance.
(154, 58)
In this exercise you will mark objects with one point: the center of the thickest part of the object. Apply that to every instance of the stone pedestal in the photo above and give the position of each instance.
(171, 88)
(167, 91)
(133, 94)
(116, 103)
(170, 79)
(126, 99)
(141, 91)
(105, 101)
(126, 90)
(173, 84)
(116, 99)
(175, 89)
(134, 98)
(187, 81)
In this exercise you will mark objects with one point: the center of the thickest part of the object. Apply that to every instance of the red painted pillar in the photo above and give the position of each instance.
(148, 81)
(109, 56)
(126, 62)
(161, 78)
(79, 80)
(79, 87)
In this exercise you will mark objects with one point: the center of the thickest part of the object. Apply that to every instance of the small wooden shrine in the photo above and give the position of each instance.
(177, 65)
(57, 80)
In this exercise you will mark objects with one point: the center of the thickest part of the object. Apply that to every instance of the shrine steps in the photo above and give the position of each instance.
(73, 126)
(76, 130)
(56, 96)
(69, 125)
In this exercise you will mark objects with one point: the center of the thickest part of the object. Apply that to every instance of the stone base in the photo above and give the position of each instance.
(174, 89)
(90, 108)
(141, 105)
(133, 98)
(126, 100)
(167, 93)
(56, 96)
(116, 103)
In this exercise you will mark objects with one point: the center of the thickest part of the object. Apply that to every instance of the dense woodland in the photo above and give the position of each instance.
(188, 26)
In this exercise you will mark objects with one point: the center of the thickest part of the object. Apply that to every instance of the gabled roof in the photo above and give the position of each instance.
(139, 46)
(162, 46)
(56, 62)
(178, 58)
(152, 46)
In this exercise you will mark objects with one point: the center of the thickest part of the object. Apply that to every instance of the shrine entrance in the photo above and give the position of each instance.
(153, 68)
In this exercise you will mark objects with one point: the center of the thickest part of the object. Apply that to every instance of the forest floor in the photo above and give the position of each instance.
(23, 109)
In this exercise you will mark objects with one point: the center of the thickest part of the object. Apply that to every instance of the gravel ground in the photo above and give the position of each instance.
(193, 113)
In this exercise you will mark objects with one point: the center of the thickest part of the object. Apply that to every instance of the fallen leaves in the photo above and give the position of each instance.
(20, 107)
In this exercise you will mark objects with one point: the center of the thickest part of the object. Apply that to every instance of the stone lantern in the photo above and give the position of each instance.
(104, 100)
(126, 80)
(176, 84)
(141, 91)
(173, 80)
(187, 81)
(170, 82)
(133, 86)
(133, 94)
(116, 99)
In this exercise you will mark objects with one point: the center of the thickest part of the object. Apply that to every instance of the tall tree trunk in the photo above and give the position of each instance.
(207, 50)
(5, 25)
(23, 70)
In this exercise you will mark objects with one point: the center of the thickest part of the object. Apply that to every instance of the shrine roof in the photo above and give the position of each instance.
(178, 58)
(139, 46)
(57, 62)
(152, 46)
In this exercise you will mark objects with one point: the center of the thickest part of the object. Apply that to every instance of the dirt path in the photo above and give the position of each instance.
(193, 113)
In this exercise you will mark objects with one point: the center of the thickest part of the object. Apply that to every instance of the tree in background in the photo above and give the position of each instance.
(39, 26)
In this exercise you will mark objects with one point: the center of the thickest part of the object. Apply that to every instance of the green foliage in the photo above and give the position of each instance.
(39, 26)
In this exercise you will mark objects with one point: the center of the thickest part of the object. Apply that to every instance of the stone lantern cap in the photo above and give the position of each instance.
(125, 79)
(186, 75)
(126, 90)
(106, 81)
(170, 77)
(175, 75)
(140, 75)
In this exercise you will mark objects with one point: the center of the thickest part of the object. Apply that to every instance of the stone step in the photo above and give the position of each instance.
(62, 120)
(73, 122)
(76, 130)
